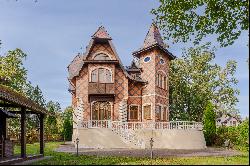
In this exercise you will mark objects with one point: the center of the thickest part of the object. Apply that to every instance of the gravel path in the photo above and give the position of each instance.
(146, 152)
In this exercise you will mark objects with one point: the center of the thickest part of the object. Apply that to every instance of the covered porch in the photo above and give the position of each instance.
(12, 103)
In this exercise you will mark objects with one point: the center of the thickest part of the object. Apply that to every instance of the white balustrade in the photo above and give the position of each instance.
(117, 125)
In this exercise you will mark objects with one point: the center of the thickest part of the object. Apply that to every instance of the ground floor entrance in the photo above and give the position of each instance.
(101, 110)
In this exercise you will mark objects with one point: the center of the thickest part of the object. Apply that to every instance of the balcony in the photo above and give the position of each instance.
(101, 88)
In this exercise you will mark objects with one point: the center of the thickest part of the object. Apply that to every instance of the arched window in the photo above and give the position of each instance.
(102, 57)
(161, 81)
(101, 75)
(94, 75)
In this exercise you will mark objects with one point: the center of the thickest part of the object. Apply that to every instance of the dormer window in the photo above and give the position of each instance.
(102, 57)
(147, 59)
(133, 75)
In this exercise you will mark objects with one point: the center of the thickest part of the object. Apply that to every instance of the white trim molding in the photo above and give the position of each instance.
(111, 111)
(151, 114)
(137, 111)
(99, 67)
(147, 57)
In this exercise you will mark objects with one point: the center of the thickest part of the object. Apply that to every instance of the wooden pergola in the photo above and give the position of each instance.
(12, 99)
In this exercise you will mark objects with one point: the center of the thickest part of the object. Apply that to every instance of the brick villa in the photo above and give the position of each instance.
(108, 95)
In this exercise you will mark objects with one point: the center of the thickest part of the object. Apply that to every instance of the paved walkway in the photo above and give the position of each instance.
(146, 152)
(33, 160)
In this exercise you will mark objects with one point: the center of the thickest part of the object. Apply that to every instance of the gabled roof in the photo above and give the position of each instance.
(225, 118)
(133, 67)
(13, 97)
(76, 65)
(153, 39)
(101, 33)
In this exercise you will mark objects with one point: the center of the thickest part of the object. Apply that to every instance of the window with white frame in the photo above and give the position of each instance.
(165, 83)
(101, 75)
(158, 112)
(164, 113)
(147, 112)
(133, 112)
(161, 81)
(147, 59)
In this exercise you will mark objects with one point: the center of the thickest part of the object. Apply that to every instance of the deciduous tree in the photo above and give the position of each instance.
(183, 19)
(195, 79)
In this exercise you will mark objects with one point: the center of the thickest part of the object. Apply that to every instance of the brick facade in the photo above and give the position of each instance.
(136, 85)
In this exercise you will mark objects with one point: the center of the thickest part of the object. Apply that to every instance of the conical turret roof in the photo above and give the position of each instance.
(153, 37)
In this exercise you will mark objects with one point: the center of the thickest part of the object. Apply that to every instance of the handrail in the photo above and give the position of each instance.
(182, 125)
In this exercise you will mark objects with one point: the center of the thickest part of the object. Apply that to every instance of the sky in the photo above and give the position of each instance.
(53, 32)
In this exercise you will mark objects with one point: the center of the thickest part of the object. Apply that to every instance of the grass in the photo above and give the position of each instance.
(60, 158)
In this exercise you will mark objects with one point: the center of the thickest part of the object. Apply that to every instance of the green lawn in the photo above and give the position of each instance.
(70, 159)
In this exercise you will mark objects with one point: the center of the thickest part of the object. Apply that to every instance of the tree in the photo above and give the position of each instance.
(14, 75)
(67, 123)
(209, 124)
(52, 121)
(194, 80)
(182, 19)
(35, 94)
(12, 69)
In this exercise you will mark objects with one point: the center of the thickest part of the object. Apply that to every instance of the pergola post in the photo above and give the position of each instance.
(23, 132)
(41, 134)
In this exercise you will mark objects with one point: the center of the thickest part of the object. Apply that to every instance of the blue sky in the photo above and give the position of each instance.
(52, 32)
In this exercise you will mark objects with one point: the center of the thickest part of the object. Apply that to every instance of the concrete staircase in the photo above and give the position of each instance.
(128, 136)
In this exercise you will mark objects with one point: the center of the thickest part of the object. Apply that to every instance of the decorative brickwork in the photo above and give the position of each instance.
(134, 93)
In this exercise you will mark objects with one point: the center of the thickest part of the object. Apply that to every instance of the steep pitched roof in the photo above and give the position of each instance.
(76, 65)
(152, 39)
(153, 36)
(13, 97)
(133, 67)
(101, 33)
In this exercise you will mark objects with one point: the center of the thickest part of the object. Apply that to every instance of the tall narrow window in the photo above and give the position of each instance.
(108, 76)
(147, 112)
(165, 83)
(133, 112)
(94, 75)
(133, 75)
(102, 75)
(158, 113)
(160, 84)
(164, 114)
(157, 80)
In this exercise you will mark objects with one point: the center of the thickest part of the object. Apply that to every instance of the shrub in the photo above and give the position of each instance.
(209, 123)
(239, 136)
